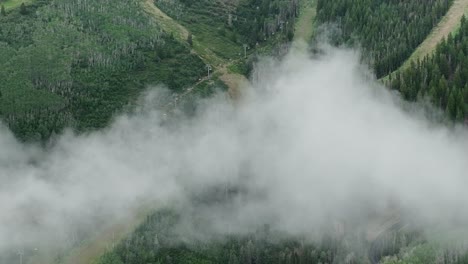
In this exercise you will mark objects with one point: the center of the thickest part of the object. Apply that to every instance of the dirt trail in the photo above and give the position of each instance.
(88, 253)
(95, 246)
(448, 24)
(381, 224)
(304, 28)
(233, 80)
(105, 241)
(180, 32)
(166, 21)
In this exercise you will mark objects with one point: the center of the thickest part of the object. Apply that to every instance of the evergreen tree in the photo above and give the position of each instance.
(2, 11)
(190, 39)
(452, 106)
(23, 9)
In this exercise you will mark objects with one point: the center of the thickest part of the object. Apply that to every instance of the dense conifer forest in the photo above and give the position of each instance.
(387, 31)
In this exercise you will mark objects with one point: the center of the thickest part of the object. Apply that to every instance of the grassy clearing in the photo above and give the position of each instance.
(304, 28)
(11, 4)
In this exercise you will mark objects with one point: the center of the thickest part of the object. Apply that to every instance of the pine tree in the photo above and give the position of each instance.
(23, 10)
(2, 11)
(190, 39)
(442, 90)
(452, 106)
(233, 258)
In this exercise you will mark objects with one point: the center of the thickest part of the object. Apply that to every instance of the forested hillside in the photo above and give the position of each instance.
(388, 31)
(160, 240)
(443, 76)
(76, 63)
(229, 25)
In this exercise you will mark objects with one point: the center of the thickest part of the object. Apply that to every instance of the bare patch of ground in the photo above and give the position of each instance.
(234, 81)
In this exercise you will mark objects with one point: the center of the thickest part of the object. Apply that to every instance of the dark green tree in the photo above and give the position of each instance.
(190, 39)
(23, 9)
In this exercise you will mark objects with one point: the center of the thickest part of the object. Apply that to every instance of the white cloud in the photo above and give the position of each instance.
(312, 140)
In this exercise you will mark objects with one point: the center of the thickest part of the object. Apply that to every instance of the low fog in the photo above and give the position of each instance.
(312, 141)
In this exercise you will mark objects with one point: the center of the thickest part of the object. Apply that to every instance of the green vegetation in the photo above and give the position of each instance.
(426, 254)
(225, 27)
(450, 23)
(160, 240)
(77, 64)
(11, 4)
(68, 63)
(307, 13)
(388, 31)
(443, 76)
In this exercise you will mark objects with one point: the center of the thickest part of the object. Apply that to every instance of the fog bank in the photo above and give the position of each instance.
(313, 140)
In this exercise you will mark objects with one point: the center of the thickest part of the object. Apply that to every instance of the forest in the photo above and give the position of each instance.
(387, 31)
(78, 63)
(442, 77)
(159, 241)
(226, 26)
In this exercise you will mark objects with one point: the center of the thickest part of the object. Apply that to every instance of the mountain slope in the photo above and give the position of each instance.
(387, 31)
(222, 36)
(448, 24)
(441, 76)
(69, 64)
(218, 64)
